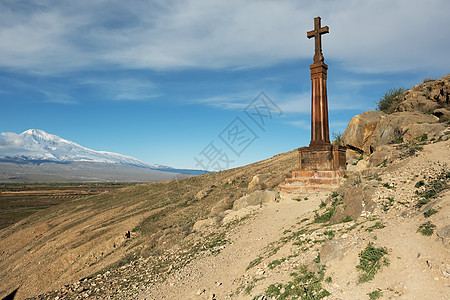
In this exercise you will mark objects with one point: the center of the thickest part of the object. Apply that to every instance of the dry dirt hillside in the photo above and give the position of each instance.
(77, 239)
(384, 233)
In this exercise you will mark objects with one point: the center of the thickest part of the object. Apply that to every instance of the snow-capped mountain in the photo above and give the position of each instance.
(38, 145)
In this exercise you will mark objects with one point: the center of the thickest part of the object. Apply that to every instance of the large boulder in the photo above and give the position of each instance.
(255, 198)
(371, 130)
(432, 130)
(257, 182)
(393, 127)
(360, 129)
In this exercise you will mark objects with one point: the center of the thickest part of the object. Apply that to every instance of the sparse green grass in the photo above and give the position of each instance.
(375, 295)
(329, 233)
(347, 219)
(388, 186)
(377, 225)
(254, 263)
(325, 217)
(429, 212)
(419, 184)
(426, 228)
(433, 188)
(305, 285)
(317, 259)
(275, 263)
(370, 261)
(387, 205)
(249, 288)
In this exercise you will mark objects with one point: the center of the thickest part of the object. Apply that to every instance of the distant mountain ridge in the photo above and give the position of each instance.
(35, 144)
(38, 147)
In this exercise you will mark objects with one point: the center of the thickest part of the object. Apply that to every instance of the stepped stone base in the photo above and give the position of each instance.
(303, 182)
(322, 168)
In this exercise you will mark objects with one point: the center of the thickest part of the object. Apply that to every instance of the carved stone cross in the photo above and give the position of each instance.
(316, 33)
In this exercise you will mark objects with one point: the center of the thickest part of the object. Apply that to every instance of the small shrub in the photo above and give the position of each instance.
(254, 263)
(317, 259)
(326, 217)
(390, 97)
(275, 263)
(329, 233)
(433, 188)
(424, 137)
(375, 295)
(347, 219)
(388, 186)
(426, 228)
(249, 288)
(337, 138)
(322, 204)
(305, 285)
(429, 212)
(377, 225)
(419, 184)
(370, 262)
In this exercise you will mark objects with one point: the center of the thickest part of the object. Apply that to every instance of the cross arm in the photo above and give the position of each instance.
(324, 30)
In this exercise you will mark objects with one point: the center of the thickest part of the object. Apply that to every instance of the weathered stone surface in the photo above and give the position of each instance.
(360, 128)
(258, 182)
(392, 128)
(332, 249)
(371, 130)
(443, 114)
(255, 198)
(356, 200)
(386, 152)
(444, 234)
(426, 97)
(322, 158)
(417, 130)
(205, 192)
(204, 225)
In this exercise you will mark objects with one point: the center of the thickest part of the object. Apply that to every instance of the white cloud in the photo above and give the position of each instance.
(305, 124)
(10, 140)
(58, 97)
(128, 89)
(368, 36)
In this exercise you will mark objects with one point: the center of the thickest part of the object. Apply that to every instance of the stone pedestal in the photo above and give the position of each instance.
(322, 168)
(305, 182)
(325, 157)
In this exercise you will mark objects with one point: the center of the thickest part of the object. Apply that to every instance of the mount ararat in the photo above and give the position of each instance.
(35, 155)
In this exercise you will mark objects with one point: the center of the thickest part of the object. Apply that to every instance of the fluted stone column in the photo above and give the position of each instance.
(320, 134)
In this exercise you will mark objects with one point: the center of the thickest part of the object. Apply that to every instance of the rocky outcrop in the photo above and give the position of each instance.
(255, 198)
(257, 182)
(371, 130)
(360, 129)
(393, 128)
(426, 97)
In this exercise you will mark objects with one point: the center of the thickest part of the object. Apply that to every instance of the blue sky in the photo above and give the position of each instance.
(168, 81)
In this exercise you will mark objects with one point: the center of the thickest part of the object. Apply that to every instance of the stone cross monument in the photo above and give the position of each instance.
(322, 164)
(319, 105)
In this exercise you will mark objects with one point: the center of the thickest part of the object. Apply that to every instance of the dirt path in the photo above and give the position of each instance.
(220, 275)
